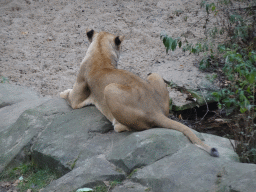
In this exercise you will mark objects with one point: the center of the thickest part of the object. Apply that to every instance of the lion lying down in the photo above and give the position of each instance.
(128, 101)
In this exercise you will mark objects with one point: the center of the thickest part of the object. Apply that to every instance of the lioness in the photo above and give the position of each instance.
(128, 101)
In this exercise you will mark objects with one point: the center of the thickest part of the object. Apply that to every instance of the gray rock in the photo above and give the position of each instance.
(190, 169)
(14, 100)
(145, 147)
(237, 177)
(223, 145)
(93, 172)
(129, 186)
(16, 140)
(65, 140)
(74, 143)
(100, 144)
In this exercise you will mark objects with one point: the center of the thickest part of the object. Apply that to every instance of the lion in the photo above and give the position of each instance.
(129, 102)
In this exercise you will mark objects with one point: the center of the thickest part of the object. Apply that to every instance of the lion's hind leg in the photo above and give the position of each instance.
(161, 92)
(118, 127)
(128, 107)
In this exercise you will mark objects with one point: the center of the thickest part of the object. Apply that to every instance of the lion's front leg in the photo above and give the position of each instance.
(65, 93)
(86, 102)
(79, 96)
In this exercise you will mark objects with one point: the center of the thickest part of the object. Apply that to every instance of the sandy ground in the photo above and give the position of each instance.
(44, 41)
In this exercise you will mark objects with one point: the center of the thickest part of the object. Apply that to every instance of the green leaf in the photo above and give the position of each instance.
(213, 7)
(207, 8)
(243, 109)
(180, 44)
(216, 96)
(251, 78)
(167, 43)
(174, 44)
(249, 90)
(193, 50)
(221, 48)
(227, 102)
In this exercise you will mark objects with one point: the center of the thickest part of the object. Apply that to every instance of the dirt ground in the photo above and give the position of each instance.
(44, 41)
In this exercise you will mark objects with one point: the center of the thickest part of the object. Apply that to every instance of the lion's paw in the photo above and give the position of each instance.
(65, 93)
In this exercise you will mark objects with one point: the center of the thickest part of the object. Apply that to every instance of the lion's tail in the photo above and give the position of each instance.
(165, 122)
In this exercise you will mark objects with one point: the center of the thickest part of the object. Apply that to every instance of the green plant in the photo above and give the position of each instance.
(132, 173)
(114, 183)
(211, 77)
(170, 43)
(100, 188)
(32, 177)
(16, 172)
(241, 71)
(234, 62)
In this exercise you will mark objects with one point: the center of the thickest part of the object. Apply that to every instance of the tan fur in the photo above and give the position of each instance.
(128, 101)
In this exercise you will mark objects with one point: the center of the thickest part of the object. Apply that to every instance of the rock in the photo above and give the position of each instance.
(93, 172)
(16, 140)
(65, 140)
(129, 186)
(244, 182)
(198, 97)
(100, 144)
(82, 148)
(237, 177)
(187, 170)
(190, 80)
(14, 100)
(145, 147)
(223, 145)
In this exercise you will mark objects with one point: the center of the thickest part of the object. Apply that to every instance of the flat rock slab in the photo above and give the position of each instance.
(145, 147)
(187, 170)
(93, 172)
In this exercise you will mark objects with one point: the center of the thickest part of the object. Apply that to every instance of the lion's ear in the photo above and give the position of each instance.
(118, 40)
(90, 34)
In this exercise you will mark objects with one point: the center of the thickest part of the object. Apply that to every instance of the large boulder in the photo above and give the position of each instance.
(143, 148)
(81, 146)
(17, 139)
(196, 172)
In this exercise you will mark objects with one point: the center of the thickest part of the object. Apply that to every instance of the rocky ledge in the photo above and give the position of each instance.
(81, 146)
